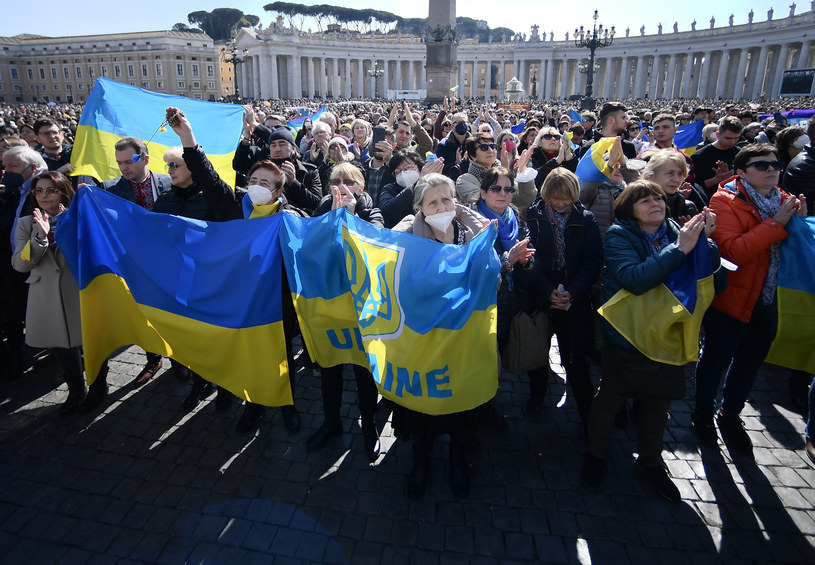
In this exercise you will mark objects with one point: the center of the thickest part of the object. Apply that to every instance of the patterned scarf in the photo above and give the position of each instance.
(659, 239)
(559, 221)
(767, 207)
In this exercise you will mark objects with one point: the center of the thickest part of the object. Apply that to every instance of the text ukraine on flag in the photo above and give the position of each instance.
(420, 315)
(168, 285)
(115, 110)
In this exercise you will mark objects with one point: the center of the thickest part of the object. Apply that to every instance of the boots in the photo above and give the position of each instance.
(370, 437)
(421, 468)
(71, 363)
(97, 391)
(459, 477)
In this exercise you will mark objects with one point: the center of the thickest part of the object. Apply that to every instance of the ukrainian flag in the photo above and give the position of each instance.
(574, 115)
(687, 137)
(297, 123)
(592, 167)
(419, 314)
(115, 110)
(794, 344)
(664, 322)
(168, 284)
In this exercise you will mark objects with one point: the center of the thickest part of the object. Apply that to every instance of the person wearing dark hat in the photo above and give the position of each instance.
(703, 113)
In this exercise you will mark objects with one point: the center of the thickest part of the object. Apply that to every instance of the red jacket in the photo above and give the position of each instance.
(745, 239)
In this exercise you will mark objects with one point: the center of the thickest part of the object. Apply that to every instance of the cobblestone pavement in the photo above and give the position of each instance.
(141, 482)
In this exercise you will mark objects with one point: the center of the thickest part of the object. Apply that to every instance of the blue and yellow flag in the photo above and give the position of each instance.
(574, 115)
(664, 322)
(167, 284)
(420, 315)
(794, 344)
(115, 110)
(687, 137)
(592, 167)
(297, 123)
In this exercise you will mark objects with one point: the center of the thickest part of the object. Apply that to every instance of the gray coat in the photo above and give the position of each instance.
(52, 315)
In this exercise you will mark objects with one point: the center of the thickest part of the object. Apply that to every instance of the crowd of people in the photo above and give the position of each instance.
(566, 244)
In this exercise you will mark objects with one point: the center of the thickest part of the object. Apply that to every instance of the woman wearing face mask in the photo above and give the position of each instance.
(790, 141)
(303, 136)
(396, 198)
(52, 316)
(439, 218)
(483, 152)
(551, 151)
(348, 190)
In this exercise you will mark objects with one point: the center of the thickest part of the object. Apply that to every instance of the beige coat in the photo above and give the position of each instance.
(468, 189)
(472, 221)
(52, 316)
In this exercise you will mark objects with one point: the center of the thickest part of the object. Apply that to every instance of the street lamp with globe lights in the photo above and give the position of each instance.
(231, 54)
(594, 39)
(375, 72)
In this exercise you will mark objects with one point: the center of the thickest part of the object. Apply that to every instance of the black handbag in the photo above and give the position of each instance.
(527, 346)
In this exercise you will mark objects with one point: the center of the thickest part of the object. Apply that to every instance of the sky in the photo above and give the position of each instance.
(86, 17)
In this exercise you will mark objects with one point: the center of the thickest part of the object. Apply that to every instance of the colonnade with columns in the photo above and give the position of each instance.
(744, 61)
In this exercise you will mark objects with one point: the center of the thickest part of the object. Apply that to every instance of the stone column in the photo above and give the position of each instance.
(803, 56)
(760, 71)
(577, 77)
(488, 80)
(360, 92)
(274, 89)
(474, 79)
(686, 78)
(310, 81)
(739, 82)
(549, 91)
(346, 84)
(564, 77)
(501, 78)
(608, 82)
(779, 69)
(625, 78)
(461, 69)
(669, 78)
(703, 79)
(721, 79)
(642, 61)
(423, 76)
(386, 83)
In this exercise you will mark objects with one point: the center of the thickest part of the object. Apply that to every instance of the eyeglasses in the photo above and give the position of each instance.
(635, 128)
(51, 191)
(765, 165)
(487, 147)
(551, 136)
(346, 182)
(49, 133)
(497, 188)
(172, 165)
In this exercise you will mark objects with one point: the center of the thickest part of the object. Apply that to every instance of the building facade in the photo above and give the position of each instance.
(730, 61)
(64, 69)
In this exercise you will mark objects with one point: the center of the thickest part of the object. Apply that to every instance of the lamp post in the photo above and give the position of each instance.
(375, 72)
(231, 54)
(594, 39)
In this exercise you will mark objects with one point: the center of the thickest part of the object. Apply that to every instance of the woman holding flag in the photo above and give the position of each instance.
(644, 250)
(741, 325)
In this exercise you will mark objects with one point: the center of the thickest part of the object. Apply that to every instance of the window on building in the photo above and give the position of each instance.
(104, 70)
(17, 88)
(56, 87)
(210, 85)
(42, 74)
(117, 71)
(210, 70)
(144, 70)
(91, 72)
(66, 72)
(30, 74)
(195, 69)
(54, 74)
(80, 86)
(68, 87)
(145, 85)
(158, 69)
(44, 87)
(33, 88)
(131, 71)
(160, 84)
(14, 74)
(196, 84)
(79, 72)
(179, 69)
(181, 84)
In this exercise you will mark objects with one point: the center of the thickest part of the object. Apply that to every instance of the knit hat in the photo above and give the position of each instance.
(339, 140)
(281, 132)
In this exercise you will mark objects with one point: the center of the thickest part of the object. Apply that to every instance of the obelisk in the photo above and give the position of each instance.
(441, 62)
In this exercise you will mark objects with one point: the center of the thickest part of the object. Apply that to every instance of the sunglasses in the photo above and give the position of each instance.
(172, 165)
(550, 136)
(49, 191)
(487, 147)
(765, 165)
(635, 128)
(497, 188)
(346, 182)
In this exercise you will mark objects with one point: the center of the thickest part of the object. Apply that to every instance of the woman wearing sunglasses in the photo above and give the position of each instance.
(551, 151)
(751, 215)
(482, 152)
(568, 261)
(52, 315)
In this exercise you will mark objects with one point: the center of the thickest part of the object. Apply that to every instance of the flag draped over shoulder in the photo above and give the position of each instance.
(115, 110)
(794, 344)
(664, 323)
(420, 315)
(687, 137)
(168, 284)
(592, 167)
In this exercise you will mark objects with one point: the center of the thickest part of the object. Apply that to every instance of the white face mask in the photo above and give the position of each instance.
(801, 141)
(407, 178)
(259, 194)
(441, 221)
